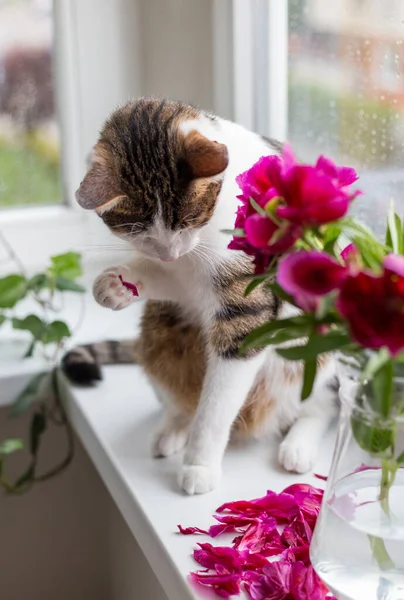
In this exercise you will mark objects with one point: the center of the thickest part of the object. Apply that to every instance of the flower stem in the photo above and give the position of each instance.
(389, 470)
(380, 553)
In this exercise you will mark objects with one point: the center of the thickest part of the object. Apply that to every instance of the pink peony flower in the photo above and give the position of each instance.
(313, 195)
(307, 275)
(262, 238)
(301, 195)
(374, 306)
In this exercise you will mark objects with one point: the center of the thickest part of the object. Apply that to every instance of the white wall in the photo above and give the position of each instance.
(65, 539)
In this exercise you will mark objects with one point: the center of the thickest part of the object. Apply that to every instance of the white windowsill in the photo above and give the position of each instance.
(115, 422)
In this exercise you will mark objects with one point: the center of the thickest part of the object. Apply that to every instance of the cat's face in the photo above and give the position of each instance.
(152, 184)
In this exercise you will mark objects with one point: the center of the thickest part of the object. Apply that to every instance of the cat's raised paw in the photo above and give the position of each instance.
(297, 457)
(197, 479)
(109, 291)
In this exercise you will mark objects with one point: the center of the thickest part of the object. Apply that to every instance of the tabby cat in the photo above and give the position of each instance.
(163, 178)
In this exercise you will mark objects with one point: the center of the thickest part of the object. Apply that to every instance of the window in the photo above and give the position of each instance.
(29, 138)
(346, 92)
(328, 76)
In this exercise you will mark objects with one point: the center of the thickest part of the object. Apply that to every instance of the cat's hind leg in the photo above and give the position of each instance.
(299, 450)
(172, 434)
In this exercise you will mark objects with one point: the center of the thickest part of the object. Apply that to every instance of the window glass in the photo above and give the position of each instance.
(29, 135)
(346, 92)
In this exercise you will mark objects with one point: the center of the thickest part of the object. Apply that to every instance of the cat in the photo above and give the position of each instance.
(163, 178)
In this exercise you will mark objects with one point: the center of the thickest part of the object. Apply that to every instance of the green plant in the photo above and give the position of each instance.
(45, 334)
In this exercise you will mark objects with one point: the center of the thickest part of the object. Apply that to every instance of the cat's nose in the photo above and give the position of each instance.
(168, 254)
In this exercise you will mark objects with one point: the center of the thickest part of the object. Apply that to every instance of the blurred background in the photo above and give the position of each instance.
(344, 65)
(327, 76)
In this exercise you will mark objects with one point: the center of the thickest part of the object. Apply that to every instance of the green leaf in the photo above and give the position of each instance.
(3, 319)
(67, 265)
(394, 233)
(68, 285)
(38, 426)
(278, 291)
(32, 323)
(12, 289)
(303, 323)
(10, 446)
(280, 337)
(370, 436)
(55, 332)
(38, 282)
(382, 383)
(310, 369)
(257, 280)
(400, 459)
(27, 396)
(330, 234)
(258, 208)
(317, 344)
(376, 361)
(371, 253)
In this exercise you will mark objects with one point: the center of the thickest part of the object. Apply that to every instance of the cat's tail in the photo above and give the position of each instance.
(82, 364)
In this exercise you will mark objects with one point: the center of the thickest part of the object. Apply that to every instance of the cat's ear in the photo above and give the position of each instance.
(98, 190)
(204, 157)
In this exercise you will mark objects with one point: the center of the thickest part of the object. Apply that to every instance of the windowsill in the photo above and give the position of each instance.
(115, 422)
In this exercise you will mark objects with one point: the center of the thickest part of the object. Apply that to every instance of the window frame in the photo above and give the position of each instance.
(26, 228)
(257, 75)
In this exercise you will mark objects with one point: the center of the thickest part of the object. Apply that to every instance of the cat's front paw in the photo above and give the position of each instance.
(198, 479)
(297, 456)
(110, 292)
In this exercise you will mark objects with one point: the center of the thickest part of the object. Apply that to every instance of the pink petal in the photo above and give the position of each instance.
(224, 585)
(281, 506)
(307, 274)
(259, 230)
(129, 286)
(304, 488)
(211, 557)
(322, 477)
(395, 264)
(191, 530)
(343, 175)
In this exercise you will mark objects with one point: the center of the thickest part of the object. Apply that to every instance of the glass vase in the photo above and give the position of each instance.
(358, 543)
